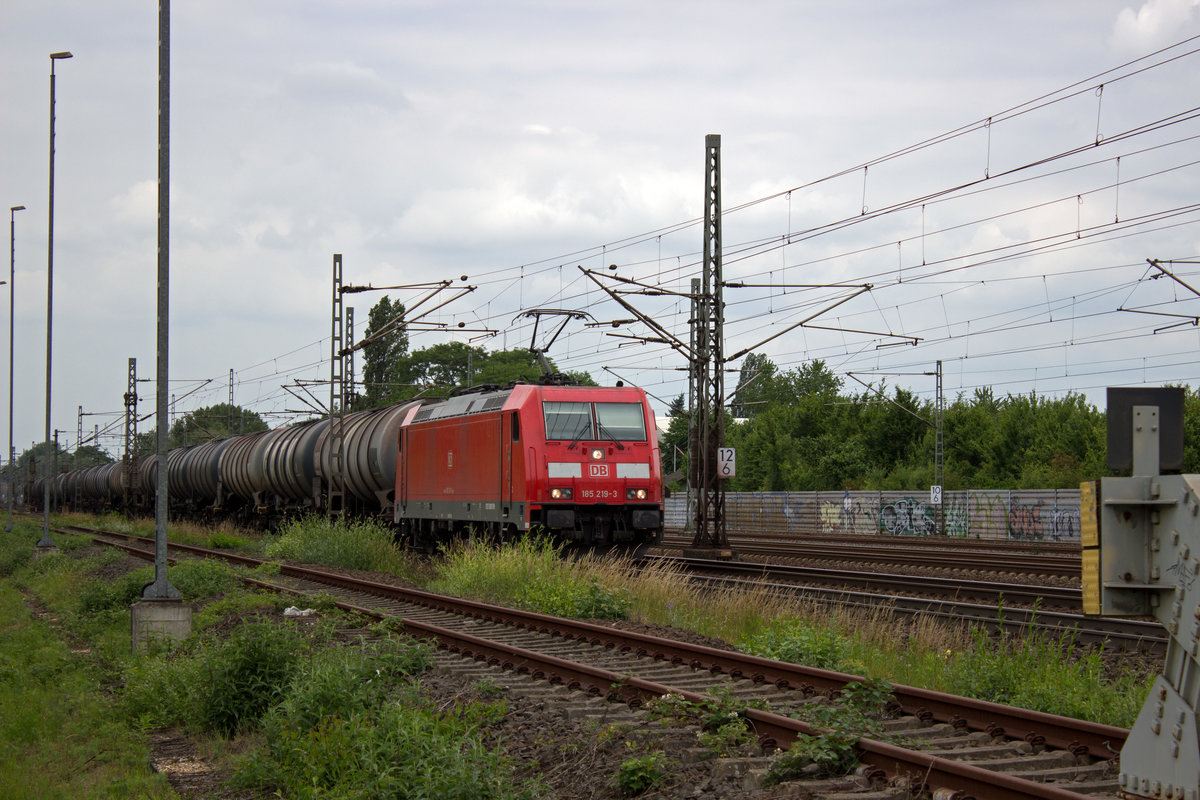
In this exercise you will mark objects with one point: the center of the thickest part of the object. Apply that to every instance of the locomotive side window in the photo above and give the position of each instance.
(568, 420)
(516, 427)
(623, 421)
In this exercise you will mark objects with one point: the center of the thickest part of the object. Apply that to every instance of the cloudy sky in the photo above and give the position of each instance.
(516, 142)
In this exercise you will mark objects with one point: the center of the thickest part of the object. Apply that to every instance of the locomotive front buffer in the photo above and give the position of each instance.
(1141, 557)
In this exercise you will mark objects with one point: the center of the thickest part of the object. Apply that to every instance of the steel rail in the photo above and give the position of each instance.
(1077, 736)
(1066, 565)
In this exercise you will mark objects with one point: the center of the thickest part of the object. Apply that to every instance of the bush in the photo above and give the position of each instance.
(345, 683)
(818, 756)
(239, 605)
(14, 554)
(245, 675)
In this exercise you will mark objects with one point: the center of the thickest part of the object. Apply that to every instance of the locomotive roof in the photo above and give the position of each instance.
(485, 401)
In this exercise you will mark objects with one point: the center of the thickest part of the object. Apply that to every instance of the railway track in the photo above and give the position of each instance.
(1046, 559)
(952, 746)
(1014, 608)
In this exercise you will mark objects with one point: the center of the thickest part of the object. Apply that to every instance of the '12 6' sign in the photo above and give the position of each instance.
(726, 462)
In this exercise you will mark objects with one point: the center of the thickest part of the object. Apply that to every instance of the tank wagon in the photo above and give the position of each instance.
(580, 462)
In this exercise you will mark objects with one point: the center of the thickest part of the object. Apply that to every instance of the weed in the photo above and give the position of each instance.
(640, 774)
(401, 748)
(96, 595)
(724, 727)
(858, 712)
(236, 605)
(57, 732)
(532, 574)
(726, 739)
(614, 731)
(832, 752)
(819, 756)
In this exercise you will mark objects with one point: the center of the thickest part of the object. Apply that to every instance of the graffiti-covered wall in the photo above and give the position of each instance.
(1031, 514)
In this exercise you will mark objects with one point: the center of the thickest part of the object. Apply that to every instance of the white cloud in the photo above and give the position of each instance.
(138, 204)
(1156, 24)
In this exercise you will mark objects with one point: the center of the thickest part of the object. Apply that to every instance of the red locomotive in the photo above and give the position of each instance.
(580, 462)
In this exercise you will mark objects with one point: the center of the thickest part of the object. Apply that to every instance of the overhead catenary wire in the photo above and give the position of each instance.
(945, 270)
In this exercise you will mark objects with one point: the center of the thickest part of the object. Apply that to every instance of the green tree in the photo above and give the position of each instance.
(441, 368)
(813, 378)
(387, 345)
(89, 456)
(38, 455)
(211, 422)
(755, 386)
(673, 442)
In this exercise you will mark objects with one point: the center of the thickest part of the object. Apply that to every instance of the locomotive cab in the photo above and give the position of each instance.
(602, 485)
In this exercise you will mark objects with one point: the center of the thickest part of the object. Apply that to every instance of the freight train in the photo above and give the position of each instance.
(580, 462)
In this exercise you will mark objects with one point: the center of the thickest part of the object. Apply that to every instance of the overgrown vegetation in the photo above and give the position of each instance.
(312, 714)
(532, 574)
(725, 729)
(359, 544)
(58, 735)
(1032, 670)
(857, 714)
(316, 716)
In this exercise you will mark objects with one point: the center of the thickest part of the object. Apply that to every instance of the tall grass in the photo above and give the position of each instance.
(1034, 670)
(531, 573)
(361, 544)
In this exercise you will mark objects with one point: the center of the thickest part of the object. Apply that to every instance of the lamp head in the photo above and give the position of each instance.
(17, 208)
(63, 54)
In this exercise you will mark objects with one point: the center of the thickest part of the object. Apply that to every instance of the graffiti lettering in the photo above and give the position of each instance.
(1043, 523)
(907, 517)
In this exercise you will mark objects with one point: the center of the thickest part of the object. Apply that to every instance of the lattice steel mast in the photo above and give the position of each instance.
(708, 374)
(337, 408)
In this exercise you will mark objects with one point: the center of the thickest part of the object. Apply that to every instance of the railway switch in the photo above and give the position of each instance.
(1141, 557)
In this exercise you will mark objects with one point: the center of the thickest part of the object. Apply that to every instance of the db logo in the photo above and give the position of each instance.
(598, 470)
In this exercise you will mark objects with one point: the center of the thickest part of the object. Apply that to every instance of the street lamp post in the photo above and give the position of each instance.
(46, 541)
(12, 287)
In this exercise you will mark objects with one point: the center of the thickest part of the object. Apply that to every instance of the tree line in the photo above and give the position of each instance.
(800, 430)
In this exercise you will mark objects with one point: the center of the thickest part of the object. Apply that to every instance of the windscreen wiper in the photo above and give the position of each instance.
(577, 438)
(609, 433)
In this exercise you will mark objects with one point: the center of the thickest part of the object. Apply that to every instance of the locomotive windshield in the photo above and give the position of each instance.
(623, 421)
(577, 421)
(568, 420)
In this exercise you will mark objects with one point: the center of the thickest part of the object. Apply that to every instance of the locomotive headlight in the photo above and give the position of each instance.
(597, 454)
(560, 494)
(635, 494)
